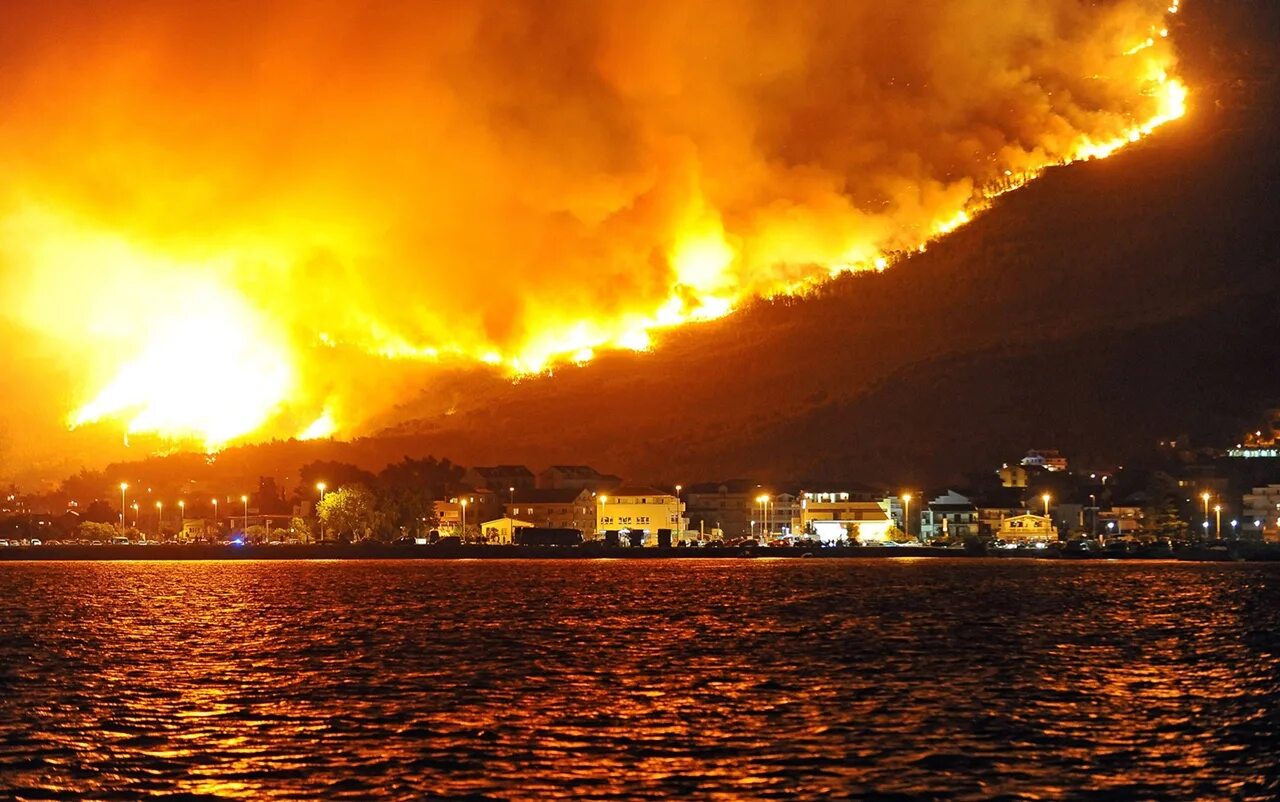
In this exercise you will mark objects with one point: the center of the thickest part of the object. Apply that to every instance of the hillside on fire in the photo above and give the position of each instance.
(1088, 310)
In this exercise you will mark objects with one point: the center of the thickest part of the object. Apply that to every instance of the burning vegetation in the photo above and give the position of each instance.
(223, 219)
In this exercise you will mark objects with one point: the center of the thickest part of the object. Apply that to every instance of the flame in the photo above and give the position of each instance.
(195, 321)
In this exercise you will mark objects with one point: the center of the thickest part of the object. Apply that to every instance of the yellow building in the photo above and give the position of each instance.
(637, 514)
(1032, 529)
(502, 530)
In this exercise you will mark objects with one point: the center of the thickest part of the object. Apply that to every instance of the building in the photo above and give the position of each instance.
(1049, 459)
(502, 530)
(578, 477)
(1013, 475)
(1120, 519)
(729, 507)
(994, 506)
(1261, 513)
(500, 478)
(475, 506)
(1027, 530)
(198, 529)
(555, 508)
(834, 516)
(638, 515)
(950, 515)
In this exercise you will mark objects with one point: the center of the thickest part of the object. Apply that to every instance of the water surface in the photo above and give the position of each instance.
(734, 679)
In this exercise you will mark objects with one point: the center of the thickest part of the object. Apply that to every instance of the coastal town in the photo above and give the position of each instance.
(1187, 496)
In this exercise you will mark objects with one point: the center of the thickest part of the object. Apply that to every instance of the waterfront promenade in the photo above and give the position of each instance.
(595, 550)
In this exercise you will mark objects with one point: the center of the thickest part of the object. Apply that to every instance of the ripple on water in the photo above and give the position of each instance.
(816, 679)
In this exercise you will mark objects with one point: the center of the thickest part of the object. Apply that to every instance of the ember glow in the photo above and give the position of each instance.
(203, 205)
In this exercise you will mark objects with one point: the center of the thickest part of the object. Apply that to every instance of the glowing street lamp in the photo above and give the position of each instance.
(1217, 526)
(463, 530)
(245, 500)
(182, 518)
(906, 514)
(1045, 499)
(1205, 498)
(135, 514)
(512, 492)
(679, 513)
(123, 487)
(159, 518)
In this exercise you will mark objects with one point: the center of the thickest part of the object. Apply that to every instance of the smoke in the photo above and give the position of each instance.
(268, 187)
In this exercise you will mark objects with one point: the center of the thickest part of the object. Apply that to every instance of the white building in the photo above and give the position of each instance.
(950, 515)
(1048, 459)
(832, 517)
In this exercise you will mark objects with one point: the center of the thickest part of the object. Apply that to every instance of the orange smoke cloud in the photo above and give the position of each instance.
(207, 208)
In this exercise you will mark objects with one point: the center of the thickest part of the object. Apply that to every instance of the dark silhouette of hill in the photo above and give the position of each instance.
(1104, 306)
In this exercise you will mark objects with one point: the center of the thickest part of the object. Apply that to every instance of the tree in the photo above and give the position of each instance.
(348, 511)
(1166, 523)
(95, 530)
(301, 529)
(895, 535)
(101, 512)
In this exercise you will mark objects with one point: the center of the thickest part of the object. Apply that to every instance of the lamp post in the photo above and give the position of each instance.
(216, 521)
(182, 518)
(123, 487)
(512, 495)
(463, 529)
(1093, 522)
(1205, 498)
(1045, 499)
(679, 514)
(906, 515)
(1217, 524)
(159, 518)
(134, 505)
(245, 501)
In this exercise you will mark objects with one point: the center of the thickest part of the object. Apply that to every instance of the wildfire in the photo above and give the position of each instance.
(205, 275)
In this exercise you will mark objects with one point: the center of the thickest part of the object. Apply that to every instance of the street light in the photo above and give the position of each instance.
(463, 530)
(1045, 499)
(123, 487)
(1205, 498)
(679, 513)
(182, 517)
(135, 514)
(512, 491)
(159, 518)
(1217, 526)
(245, 500)
(1093, 524)
(906, 514)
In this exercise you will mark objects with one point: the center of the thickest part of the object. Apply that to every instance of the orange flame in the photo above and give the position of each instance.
(463, 190)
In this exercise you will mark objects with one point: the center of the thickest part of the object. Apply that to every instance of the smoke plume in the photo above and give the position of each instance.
(207, 207)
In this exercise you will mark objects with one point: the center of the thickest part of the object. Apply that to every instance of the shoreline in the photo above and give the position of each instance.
(379, 551)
